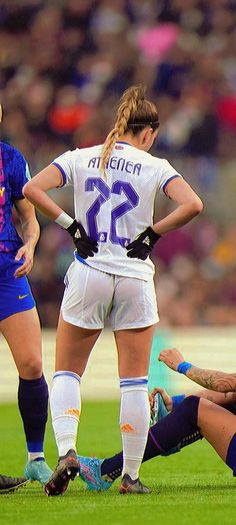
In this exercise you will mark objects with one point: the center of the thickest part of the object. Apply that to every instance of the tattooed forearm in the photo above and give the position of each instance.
(219, 398)
(212, 379)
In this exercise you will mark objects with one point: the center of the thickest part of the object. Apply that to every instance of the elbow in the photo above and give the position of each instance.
(27, 191)
(196, 206)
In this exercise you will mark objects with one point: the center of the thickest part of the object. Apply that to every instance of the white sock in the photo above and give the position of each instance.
(134, 422)
(65, 405)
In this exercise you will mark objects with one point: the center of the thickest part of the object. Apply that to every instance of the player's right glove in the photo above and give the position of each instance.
(143, 245)
(85, 245)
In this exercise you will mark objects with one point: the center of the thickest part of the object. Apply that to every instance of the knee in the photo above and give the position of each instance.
(31, 368)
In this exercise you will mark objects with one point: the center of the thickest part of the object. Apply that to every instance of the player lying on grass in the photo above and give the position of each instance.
(190, 418)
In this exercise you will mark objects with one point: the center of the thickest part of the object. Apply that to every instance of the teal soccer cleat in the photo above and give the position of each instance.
(37, 470)
(159, 410)
(90, 473)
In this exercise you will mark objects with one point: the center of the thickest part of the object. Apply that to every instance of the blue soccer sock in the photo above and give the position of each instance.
(33, 406)
(113, 466)
(165, 434)
(231, 455)
(172, 429)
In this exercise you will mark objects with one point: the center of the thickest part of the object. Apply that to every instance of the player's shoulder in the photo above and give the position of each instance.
(78, 153)
(150, 161)
(11, 153)
(155, 161)
(91, 151)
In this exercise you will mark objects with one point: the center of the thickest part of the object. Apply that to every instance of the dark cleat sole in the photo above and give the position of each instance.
(66, 471)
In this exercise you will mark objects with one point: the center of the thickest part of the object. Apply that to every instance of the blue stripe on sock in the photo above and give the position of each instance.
(35, 446)
(71, 374)
(132, 382)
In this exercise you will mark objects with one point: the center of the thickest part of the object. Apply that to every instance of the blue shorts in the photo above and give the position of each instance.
(15, 294)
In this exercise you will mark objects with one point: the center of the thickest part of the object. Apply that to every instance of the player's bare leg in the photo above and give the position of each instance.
(218, 426)
(74, 345)
(23, 335)
(133, 348)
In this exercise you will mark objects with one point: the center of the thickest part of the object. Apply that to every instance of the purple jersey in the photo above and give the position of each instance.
(14, 173)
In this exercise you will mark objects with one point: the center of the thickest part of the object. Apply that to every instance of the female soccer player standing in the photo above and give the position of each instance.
(19, 322)
(112, 276)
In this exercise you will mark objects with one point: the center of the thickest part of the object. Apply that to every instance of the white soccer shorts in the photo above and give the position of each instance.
(91, 297)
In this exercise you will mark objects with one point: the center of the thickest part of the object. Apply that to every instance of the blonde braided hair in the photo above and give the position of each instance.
(133, 106)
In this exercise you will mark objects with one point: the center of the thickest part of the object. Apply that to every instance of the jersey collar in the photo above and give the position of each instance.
(123, 142)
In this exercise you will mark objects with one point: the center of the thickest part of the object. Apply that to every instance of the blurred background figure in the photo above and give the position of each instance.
(63, 67)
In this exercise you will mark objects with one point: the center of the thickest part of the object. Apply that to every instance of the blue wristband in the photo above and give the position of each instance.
(176, 400)
(184, 367)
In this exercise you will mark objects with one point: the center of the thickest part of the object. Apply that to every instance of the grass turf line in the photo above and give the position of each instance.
(192, 487)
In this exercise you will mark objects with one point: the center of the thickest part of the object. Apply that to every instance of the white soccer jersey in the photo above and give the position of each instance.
(117, 209)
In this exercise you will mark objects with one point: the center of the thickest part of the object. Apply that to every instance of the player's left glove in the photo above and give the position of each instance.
(143, 245)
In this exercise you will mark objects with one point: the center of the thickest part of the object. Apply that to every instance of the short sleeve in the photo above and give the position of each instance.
(64, 163)
(20, 175)
(168, 173)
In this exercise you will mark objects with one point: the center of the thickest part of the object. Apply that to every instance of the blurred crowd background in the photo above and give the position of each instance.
(63, 66)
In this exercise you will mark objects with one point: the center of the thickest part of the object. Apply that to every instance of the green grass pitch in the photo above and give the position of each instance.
(191, 487)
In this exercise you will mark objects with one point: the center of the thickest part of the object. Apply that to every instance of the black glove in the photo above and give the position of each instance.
(143, 245)
(85, 245)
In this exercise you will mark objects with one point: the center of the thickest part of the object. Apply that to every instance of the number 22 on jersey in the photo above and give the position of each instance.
(118, 187)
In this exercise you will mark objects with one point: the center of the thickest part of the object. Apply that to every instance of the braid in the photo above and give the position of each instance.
(130, 102)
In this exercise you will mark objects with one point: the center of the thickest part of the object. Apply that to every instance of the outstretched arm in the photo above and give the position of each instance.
(210, 379)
